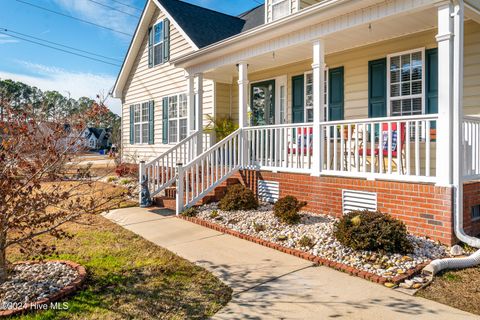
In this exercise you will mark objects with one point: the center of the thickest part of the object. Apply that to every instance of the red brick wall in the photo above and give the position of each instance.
(426, 209)
(471, 197)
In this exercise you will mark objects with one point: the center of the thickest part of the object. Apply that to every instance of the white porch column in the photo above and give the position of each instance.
(199, 112)
(190, 104)
(318, 67)
(445, 96)
(242, 93)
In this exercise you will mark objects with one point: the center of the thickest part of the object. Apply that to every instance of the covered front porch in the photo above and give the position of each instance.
(363, 100)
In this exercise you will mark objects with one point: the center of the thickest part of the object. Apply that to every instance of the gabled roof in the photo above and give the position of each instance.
(97, 132)
(200, 26)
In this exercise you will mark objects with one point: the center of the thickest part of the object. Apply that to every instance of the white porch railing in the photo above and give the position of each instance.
(203, 174)
(160, 172)
(398, 148)
(286, 147)
(471, 147)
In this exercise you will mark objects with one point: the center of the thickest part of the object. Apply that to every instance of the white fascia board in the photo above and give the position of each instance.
(472, 10)
(136, 43)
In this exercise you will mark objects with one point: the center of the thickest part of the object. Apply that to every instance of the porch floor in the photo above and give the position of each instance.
(270, 284)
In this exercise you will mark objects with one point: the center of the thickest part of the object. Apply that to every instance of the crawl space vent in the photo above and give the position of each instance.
(357, 200)
(268, 191)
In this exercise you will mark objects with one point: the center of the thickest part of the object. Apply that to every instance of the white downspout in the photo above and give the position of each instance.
(455, 263)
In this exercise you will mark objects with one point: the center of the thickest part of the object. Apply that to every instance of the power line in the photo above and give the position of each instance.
(127, 5)
(59, 49)
(72, 17)
(113, 8)
(59, 44)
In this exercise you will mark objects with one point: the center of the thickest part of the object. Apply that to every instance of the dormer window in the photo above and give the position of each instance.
(279, 9)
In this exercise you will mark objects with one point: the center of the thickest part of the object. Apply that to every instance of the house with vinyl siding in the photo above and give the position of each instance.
(344, 104)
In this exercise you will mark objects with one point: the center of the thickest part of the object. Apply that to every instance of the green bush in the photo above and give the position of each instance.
(286, 209)
(238, 197)
(214, 214)
(190, 212)
(373, 231)
(306, 242)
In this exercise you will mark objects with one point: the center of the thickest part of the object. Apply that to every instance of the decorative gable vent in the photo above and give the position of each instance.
(268, 191)
(357, 200)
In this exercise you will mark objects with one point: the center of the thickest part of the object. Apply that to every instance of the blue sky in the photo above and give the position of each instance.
(49, 69)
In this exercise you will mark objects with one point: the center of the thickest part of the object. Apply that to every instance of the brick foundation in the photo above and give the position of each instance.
(426, 209)
(471, 197)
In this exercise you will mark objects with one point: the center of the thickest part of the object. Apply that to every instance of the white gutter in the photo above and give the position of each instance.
(453, 263)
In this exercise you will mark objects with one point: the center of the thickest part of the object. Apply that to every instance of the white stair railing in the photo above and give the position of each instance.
(203, 174)
(471, 147)
(160, 172)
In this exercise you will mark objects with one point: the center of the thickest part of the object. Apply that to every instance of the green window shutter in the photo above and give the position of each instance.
(431, 79)
(336, 94)
(166, 40)
(377, 88)
(150, 47)
(298, 107)
(132, 131)
(165, 120)
(151, 122)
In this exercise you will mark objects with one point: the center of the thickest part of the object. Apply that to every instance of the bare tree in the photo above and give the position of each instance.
(37, 155)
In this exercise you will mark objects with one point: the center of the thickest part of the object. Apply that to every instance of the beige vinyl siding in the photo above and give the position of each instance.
(471, 93)
(145, 84)
(355, 63)
(307, 3)
(223, 105)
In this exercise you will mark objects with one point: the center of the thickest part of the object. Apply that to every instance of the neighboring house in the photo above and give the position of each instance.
(97, 138)
(344, 104)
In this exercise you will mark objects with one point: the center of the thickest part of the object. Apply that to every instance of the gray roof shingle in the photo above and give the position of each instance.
(205, 26)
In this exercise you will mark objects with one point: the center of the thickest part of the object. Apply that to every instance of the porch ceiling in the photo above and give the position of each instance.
(359, 36)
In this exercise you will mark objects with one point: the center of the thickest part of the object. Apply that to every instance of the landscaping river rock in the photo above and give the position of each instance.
(29, 283)
(314, 234)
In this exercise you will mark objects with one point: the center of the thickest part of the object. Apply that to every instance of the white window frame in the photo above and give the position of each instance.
(141, 122)
(411, 96)
(273, 3)
(160, 43)
(325, 94)
(177, 119)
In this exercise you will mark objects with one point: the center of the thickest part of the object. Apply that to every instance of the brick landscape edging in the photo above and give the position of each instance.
(73, 286)
(310, 257)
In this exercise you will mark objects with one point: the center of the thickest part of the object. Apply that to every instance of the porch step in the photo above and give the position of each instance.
(165, 202)
(168, 201)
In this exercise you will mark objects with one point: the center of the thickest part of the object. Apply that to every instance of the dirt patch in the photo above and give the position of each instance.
(459, 289)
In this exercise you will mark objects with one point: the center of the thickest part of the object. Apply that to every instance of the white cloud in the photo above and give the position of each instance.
(75, 84)
(4, 39)
(102, 15)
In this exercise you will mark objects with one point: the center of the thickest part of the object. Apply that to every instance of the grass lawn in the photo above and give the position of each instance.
(459, 289)
(131, 278)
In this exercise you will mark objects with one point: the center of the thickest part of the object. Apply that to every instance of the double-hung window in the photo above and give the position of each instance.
(141, 123)
(177, 118)
(309, 96)
(159, 43)
(279, 8)
(406, 83)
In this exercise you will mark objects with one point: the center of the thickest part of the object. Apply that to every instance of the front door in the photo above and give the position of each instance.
(263, 103)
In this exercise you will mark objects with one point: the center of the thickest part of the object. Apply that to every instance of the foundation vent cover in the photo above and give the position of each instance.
(358, 200)
(268, 191)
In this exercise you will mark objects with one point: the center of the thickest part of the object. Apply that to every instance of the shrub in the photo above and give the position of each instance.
(111, 179)
(190, 212)
(373, 231)
(286, 209)
(258, 227)
(126, 170)
(124, 182)
(214, 214)
(306, 242)
(238, 197)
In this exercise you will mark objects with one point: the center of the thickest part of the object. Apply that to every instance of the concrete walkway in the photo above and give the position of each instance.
(268, 284)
